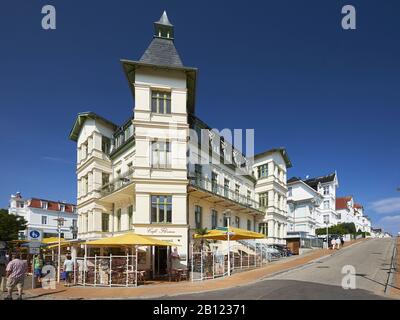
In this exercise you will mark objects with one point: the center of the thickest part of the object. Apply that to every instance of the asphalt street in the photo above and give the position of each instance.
(369, 261)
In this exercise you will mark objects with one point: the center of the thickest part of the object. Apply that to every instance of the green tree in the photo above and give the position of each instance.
(340, 229)
(10, 225)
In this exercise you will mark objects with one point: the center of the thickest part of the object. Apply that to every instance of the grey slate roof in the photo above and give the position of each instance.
(162, 52)
(164, 20)
(313, 183)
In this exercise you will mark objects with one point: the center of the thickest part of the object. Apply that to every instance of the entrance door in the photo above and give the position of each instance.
(161, 261)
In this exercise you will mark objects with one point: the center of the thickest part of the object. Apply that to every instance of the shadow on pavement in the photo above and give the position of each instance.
(283, 290)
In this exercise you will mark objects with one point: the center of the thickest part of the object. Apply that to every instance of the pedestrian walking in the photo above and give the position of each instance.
(342, 241)
(68, 270)
(15, 272)
(3, 265)
(37, 266)
(333, 243)
(338, 243)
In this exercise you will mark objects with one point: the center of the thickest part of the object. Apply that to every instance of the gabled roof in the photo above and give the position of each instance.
(294, 180)
(80, 120)
(282, 151)
(162, 52)
(51, 205)
(341, 203)
(314, 182)
(358, 206)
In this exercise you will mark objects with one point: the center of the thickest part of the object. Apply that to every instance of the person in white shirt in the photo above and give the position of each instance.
(68, 269)
(333, 243)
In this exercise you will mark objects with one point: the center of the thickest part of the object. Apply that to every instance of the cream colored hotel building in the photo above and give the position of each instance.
(148, 175)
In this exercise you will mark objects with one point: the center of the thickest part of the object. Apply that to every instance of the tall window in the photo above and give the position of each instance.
(326, 190)
(290, 191)
(161, 154)
(128, 132)
(62, 207)
(263, 198)
(262, 171)
(248, 196)
(226, 188)
(105, 220)
(225, 221)
(214, 182)
(161, 209)
(237, 191)
(214, 219)
(198, 172)
(249, 224)
(161, 102)
(326, 204)
(105, 179)
(44, 219)
(118, 220)
(130, 217)
(237, 222)
(198, 216)
(263, 228)
(105, 144)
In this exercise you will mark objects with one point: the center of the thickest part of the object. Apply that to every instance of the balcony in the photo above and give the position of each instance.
(120, 186)
(223, 193)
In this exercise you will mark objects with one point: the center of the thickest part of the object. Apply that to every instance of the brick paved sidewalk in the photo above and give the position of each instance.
(394, 290)
(160, 290)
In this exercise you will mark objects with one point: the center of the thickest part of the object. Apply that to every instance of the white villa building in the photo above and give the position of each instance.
(304, 210)
(351, 212)
(42, 214)
(150, 176)
(311, 203)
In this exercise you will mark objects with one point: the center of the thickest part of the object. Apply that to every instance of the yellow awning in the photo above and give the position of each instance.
(235, 234)
(52, 240)
(63, 244)
(130, 239)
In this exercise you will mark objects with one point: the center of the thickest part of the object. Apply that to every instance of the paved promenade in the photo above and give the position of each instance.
(173, 289)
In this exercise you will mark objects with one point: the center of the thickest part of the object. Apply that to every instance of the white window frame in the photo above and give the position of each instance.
(161, 155)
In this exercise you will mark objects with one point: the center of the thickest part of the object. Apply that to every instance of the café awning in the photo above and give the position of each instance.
(234, 234)
(130, 239)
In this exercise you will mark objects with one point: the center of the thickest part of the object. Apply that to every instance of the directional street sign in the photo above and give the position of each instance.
(35, 244)
(33, 250)
(35, 235)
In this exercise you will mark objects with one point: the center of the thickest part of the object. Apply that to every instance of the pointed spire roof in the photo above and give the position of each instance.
(164, 20)
(161, 50)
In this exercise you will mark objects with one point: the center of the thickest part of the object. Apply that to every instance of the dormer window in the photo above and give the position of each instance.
(160, 102)
(44, 205)
(62, 207)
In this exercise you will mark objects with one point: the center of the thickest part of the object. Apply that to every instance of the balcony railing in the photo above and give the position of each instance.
(117, 184)
(210, 186)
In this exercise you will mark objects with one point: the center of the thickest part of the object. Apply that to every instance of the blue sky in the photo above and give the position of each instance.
(286, 69)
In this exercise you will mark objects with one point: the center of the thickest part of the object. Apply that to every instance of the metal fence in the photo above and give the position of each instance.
(213, 263)
(106, 271)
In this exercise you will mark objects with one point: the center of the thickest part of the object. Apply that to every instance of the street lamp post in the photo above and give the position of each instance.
(60, 221)
(229, 247)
